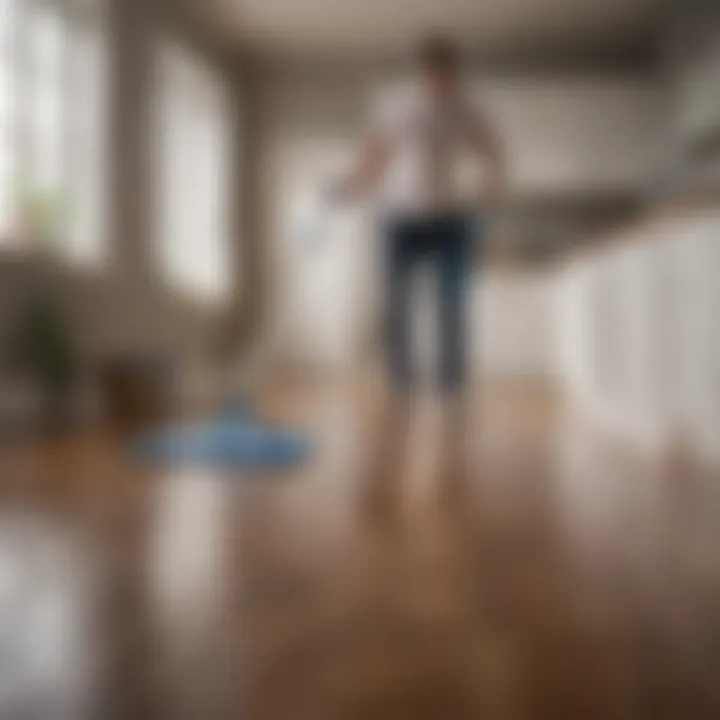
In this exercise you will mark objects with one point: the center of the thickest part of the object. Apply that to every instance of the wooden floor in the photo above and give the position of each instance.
(502, 561)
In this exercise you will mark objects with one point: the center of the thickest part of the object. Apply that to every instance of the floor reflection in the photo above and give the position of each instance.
(188, 552)
(48, 663)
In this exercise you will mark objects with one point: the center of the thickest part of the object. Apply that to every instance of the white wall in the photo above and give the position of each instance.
(576, 135)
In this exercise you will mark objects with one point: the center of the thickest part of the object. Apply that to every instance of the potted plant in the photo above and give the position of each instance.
(48, 355)
(45, 345)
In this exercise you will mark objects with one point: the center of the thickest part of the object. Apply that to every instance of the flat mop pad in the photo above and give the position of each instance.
(233, 441)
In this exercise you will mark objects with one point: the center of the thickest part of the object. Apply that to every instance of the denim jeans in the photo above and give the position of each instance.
(446, 242)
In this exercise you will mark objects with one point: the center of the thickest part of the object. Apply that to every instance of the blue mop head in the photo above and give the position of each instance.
(235, 441)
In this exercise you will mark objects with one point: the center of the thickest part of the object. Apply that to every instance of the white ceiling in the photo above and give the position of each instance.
(382, 26)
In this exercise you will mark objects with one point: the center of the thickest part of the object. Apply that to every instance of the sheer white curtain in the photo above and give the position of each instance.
(193, 249)
(47, 45)
(7, 118)
(53, 123)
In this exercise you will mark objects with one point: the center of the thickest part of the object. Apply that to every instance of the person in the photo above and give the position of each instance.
(422, 137)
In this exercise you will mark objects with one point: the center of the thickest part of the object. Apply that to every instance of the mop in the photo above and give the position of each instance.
(236, 438)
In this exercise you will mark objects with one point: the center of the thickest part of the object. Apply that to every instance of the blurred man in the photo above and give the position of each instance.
(423, 138)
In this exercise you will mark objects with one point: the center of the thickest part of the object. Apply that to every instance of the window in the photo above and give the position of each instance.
(46, 40)
(53, 161)
(87, 137)
(7, 125)
(194, 226)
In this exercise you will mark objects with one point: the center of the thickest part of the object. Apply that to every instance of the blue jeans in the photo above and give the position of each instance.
(447, 243)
